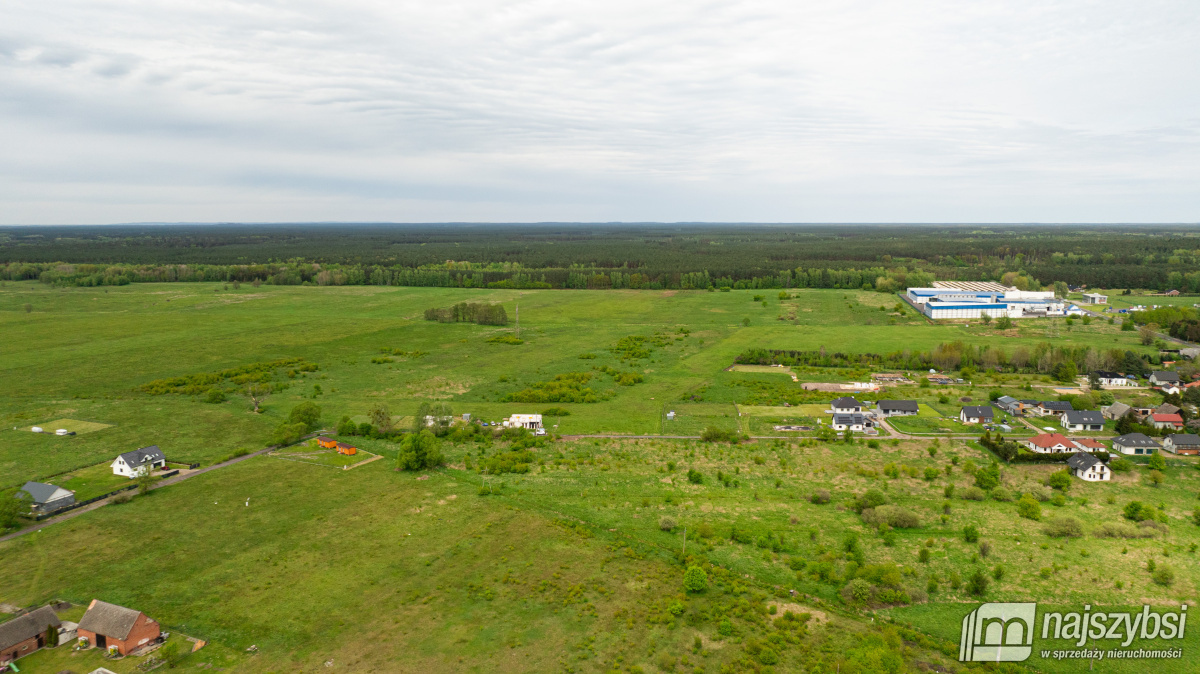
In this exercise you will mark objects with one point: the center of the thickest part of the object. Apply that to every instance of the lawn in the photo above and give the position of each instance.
(309, 452)
(74, 425)
(92, 481)
(932, 425)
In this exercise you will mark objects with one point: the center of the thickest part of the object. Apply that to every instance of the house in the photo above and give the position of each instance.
(131, 464)
(975, 414)
(1115, 411)
(1134, 443)
(1108, 379)
(846, 406)
(113, 627)
(26, 633)
(1164, 378)
(1048, 443)
(1166, 408)
(898, 408)
(850, 422)
(531, 421)
(1008, 404)
(46, 498)
(1087, 467)
(1089, 445)
(1054, 407)
(1083, 420)
(348, 450)
(1172, 293)
(1182, 443)
(327, 443)
(1166, 420)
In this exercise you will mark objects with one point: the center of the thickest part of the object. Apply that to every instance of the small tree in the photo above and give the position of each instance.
(419, 451)
(257, 393)
(12, 506)
(28, 308)
(307, 413)
(971, 533)
(1060, 480)
(1157, 462)
(978, 584)
(51, 636)
(695, 579)
(144, 479)
(380, 417)
(1029, 508)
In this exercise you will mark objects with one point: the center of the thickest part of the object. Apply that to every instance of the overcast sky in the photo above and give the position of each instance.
(384, 110)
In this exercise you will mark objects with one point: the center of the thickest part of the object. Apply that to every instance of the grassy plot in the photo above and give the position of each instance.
(76, 426)
(92, 481)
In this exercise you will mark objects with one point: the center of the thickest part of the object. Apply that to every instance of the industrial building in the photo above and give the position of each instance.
(985, 299)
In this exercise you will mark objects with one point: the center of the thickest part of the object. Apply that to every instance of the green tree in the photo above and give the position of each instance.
(1137, 511)
(307, 413)
(288, 433)
(145, 479)
(1126, 422)
(971, 533)
(51, 636)
(419, 422)
(1157, 462)
(977, 584)
(988, 478)
(1060, 480)
(12, 506)
(695, 579)
(1029, 508)
(380, 417)
(419, 451)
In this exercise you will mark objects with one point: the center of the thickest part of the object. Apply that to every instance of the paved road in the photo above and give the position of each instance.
(176, 479)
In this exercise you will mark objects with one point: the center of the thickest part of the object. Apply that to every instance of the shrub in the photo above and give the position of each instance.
(725, 628)
(1163, 575)
(985, 548)
(1042, 494)
(1059, 480)
(419, 451)
(1121, 465)
(1156, 462)
(556, 412)
(767, 656)
(307, 413)
(695, 579)
(974, 494)
(695, 477)
(1138, 511)
(932, 473)
(977, 584)
(971, 533)
(1063, 527)
(820, 497)
(998, 572)
(988, 478)
(215, 396)
(871, 499)
(667, 524)
(948, 491)
(288, 433)
(1058, 500)
(858, 590)
(1120, 530)
(893, 516)
(1002, 494)
(714, 434)
(1029, 508)
(923, 556)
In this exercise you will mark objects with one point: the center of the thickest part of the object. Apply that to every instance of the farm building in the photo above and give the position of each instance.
(846, 406)
(1182, 443)
(1134, 443)
(976, 414)
(1115, 411)
(348, 450)
(1095, 298)
(531, 421)
(112, 627)
(1008, 404)
(327, 443)
(1088, 467)
(898, 408)
(131, 464)
(46, 498)
(26, 633)
(1166, 421)
(1164, 378)
(1083, 420)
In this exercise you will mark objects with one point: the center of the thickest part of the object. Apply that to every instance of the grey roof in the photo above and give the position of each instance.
(42, 492)
(978, 411)
(1006, 400)
(1185, 439)
(1166, 408)
(846, 402)
(1057, 405)
(1117, 409)
(27, 626)
(1165, 375)
(1135, 440)
(1084, 417)
(109, 619)
(849, 419)
(139, 456)
(1105, 374)
(1083, 460)
(906, 405)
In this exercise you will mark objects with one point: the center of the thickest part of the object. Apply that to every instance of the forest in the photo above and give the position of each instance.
(579, 256)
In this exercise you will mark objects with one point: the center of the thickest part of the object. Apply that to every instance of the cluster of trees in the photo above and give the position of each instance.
(469, 312)
(254, 373)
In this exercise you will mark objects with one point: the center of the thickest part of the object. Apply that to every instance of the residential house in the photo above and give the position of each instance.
(1166, 421)
(1134, 443)
(1008, 404)
(846, 406)
(327, 443)
(1182, 443)
(1083, 420)
(1166, 408)
(131, 464)
(1088, 467)
(1171, 293)
(850, 422)
(112, 627)
(531, 422)
(976, 414)
(1112, 379)
(898, 408)
(1048, 443)
(1164, 378)
(26, 633)
(1054, 407)
(46, 498)
(1115, 411)
(1089, 445)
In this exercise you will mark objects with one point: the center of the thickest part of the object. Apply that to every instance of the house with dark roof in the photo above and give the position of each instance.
(898, 408)
(850, 422)
(1083, 420)
(116, 628)
(1054, 407)
(131, 464)
(1164, 377)
(1182, 443)
(976, 414)
(1112, 379)
(1008, 404)
(1134, 443)
(46, 498)
(846, 406)
(1088, 467)
(27, 633)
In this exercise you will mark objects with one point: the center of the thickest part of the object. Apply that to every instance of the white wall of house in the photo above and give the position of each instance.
(1096, 473)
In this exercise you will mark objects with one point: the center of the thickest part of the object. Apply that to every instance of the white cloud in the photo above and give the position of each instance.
(534, 110)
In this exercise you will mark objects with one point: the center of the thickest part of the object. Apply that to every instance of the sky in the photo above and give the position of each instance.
(499, 111)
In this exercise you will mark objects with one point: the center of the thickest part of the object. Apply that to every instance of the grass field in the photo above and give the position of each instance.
(569, 567)
(74, 425)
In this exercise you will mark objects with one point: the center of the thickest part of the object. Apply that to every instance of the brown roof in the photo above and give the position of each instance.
(109, 619)
(27, 626)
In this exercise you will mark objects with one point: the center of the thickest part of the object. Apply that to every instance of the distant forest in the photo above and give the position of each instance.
(880, 257)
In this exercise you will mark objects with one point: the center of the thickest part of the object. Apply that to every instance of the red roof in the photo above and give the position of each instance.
(1089, 443)
(1174, 418)
(1049, 440)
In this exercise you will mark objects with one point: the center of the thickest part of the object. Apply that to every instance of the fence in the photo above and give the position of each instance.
(80, 504)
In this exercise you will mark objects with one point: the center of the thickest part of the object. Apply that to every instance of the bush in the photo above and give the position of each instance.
(307, 413)
(977, 584)
(1002, 494)
(419, 451)
(1029, 508)
(971, 533)
(215, 396)
(988, 478)
(1137, 511)
(288, 433)
(667, 523)
(873, 498)
(1163, 575)
(1060, 480)
(1063, 527)
(1121, 530)
(695, 579)
(820, 497)
(893, 516)
(556, 412)
(714, 434)
(923, 556)
(725, 628)
(932, 473)
(974, 494)
(858, 590)
(1120, 465)
(695, 477)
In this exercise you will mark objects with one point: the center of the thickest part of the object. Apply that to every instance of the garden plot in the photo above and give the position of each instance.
(74, 425)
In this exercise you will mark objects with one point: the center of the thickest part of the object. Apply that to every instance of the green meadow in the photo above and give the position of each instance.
(576, 565)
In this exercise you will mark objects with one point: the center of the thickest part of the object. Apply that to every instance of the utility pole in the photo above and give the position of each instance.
(518, 321)
(685, 542)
